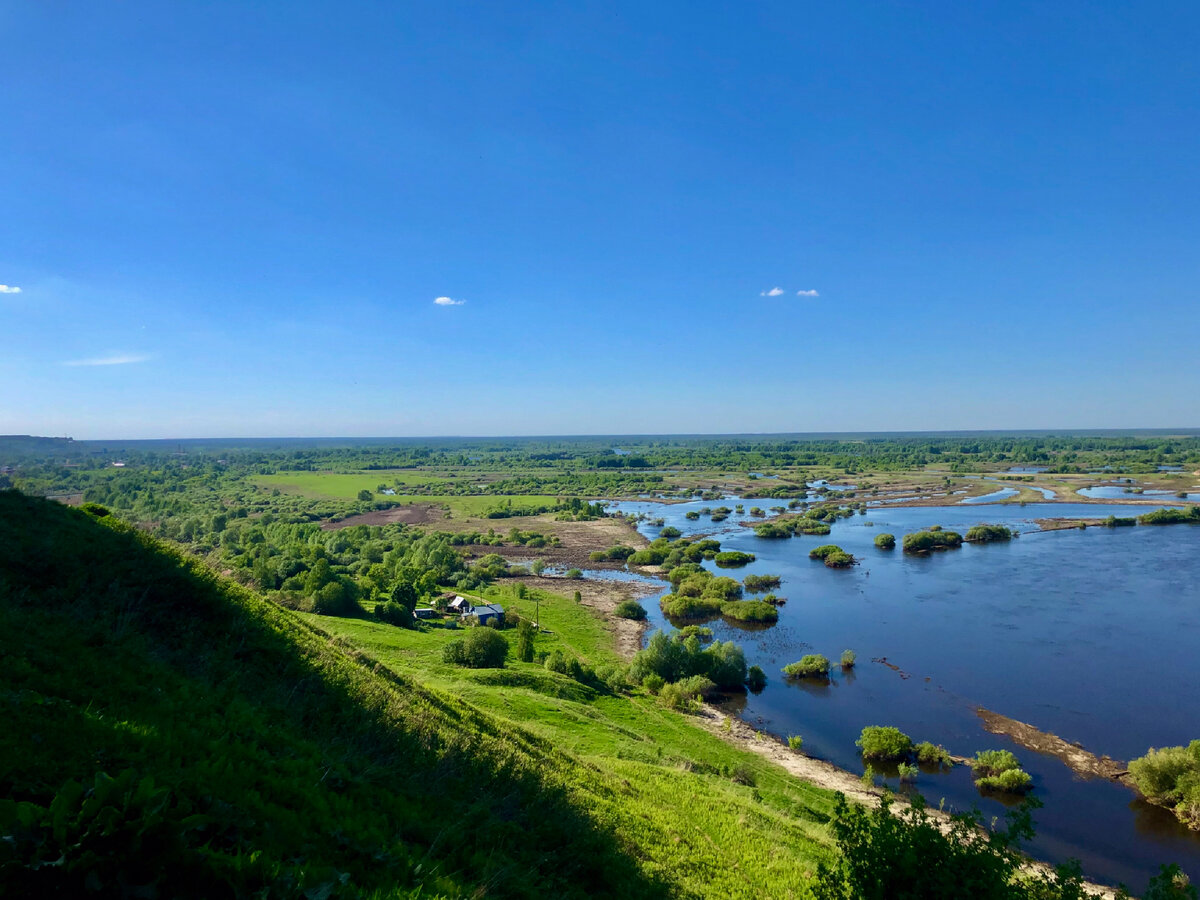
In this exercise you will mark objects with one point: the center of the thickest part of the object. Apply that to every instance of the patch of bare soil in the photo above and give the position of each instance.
(826, 775)
(1075, 757)
(603, 597)
(412, 514)
(576, 540)
(1064, 524)
(814, 771)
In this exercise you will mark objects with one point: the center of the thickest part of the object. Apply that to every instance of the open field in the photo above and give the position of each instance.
(770, 824)
(341, 486)
(684, 803)
(268, 722)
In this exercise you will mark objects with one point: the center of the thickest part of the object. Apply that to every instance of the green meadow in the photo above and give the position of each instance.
(170, 729)
(347, 485)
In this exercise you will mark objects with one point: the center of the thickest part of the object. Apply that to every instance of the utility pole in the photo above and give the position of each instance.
(537, 612)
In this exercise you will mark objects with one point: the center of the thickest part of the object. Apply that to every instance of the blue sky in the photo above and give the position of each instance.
(228, 219)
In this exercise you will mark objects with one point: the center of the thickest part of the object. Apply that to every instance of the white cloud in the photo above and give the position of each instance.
(117, 359)
(773, 292)
(807, 294)
(9, 289)
(446, 301)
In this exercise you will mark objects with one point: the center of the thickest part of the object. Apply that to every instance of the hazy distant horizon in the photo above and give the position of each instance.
(631, 436)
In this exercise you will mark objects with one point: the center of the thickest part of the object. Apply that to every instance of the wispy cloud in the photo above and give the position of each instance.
(807, 294)
(116, 359)
(9, 289)
(446, 301)
(773, 292)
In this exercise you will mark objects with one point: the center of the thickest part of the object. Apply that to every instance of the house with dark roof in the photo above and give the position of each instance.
(486, 613)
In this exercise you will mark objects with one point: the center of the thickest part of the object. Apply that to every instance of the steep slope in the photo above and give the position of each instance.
(168, 733)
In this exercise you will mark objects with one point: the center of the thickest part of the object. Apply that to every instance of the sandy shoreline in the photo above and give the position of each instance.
(826, 775)
(604, 594)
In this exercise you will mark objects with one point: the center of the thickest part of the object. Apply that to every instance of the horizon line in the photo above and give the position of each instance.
(946, 432)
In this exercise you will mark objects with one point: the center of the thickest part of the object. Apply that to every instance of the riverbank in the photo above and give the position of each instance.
(1010, 625)
(739, 733)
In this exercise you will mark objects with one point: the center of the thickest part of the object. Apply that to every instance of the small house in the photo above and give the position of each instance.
(486, 613)
(460, 605)
(424, 613)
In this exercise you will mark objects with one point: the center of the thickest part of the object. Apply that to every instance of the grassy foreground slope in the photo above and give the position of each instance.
(169, 733)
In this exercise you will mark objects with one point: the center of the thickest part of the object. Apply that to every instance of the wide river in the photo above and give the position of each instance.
(1092, 635)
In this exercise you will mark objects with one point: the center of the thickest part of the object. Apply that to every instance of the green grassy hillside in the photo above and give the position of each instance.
(169, 733)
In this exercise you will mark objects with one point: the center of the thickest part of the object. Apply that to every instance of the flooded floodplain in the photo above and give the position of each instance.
(1089, 634)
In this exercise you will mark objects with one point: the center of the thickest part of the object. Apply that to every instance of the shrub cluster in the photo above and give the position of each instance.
(926, 541)
(565, 664)
(885, 541)
(670, 554)
(750, 611)
(999, 770)
(883, 742)
(1170, 777)
(833, 556)
(756, 584)
(908, 853)
(930, 754)
(482, 648)
(630, 609)
(698, 594)
(983, 534)
(674, 658)
(393, 613)
(616, 553)
(1190, 516)
(813, 665)
(686, 692)
(812, 521)
(734, 559)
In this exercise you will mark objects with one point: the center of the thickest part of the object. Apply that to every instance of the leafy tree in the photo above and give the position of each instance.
(482, 648)
(405, 594)
(525, 635)
(630, 609)
(337, 598)
(931, 754)
(884, 742)
(393, 613)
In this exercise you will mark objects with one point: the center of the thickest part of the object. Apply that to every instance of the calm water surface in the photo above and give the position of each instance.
(1092, 635)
